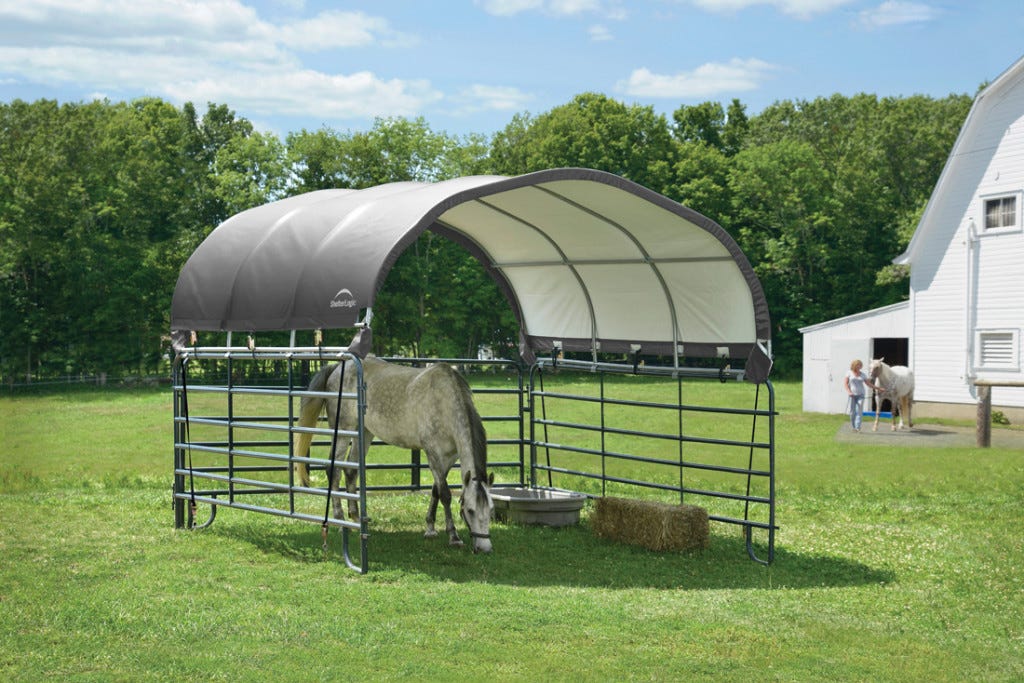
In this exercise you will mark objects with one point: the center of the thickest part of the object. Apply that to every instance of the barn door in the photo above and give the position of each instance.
(843, 352)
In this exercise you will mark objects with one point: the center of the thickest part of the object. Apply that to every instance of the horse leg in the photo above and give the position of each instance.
(878, 408)
(334, 478)
(352, 473)
(432, 512)
(441, 493)
(344, 453)
(351, 481)
(896, 411)
(449, 520)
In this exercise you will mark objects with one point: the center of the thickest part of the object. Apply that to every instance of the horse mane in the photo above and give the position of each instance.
(478, 444)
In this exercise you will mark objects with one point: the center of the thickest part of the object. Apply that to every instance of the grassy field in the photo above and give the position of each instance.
(891, 565)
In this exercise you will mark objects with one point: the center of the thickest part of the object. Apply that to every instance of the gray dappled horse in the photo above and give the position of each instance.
(430, 409)
(898, 382)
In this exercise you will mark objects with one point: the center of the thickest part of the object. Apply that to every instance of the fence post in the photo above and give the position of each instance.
(416, 463)
(983, 428)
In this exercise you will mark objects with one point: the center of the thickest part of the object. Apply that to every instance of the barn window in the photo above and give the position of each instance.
(1001, 213)
(998, 350)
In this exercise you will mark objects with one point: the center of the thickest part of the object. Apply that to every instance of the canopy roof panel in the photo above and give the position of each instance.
(587, 259)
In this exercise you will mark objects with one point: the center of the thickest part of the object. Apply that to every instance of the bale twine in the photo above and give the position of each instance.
(657, 526)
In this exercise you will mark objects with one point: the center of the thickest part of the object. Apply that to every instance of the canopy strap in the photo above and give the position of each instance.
(188, 440)
(544, 419)
(748, 533)
(334, 446)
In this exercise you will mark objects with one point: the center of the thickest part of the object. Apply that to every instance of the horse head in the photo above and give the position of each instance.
(877, 365)
(477, 506)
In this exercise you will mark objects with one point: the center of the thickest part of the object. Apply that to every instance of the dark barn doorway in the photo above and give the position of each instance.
(895, 351)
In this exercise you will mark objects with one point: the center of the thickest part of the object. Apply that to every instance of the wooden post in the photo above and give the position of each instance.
(983, 428)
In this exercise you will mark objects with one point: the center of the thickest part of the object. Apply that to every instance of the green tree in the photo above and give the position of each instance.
(101, 205)
(249, 171)
(700, 123)
(709, 123)
(36, 146)
(317, 160)
(701, 180)
(591, 131)
(204, 138)
(783, 218)
(737, 125)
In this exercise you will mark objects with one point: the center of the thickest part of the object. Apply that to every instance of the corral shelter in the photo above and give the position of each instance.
(589, 261)
(829, 348)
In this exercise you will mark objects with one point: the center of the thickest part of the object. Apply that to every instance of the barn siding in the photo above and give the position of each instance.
(988, 160)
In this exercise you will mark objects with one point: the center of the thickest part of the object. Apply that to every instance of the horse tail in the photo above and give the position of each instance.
(309, 413)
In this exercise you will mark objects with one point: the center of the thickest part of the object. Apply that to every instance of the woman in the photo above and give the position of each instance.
(855, 381)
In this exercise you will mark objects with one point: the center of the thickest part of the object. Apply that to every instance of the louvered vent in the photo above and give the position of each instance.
(997, 350)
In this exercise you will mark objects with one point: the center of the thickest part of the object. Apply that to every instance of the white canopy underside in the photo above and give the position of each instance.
(588, 260)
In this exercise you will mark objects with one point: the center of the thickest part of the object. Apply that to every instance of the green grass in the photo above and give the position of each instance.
(891, 565)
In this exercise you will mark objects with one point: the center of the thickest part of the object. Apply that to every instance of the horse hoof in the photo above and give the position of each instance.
(430, 533)
(456, 543)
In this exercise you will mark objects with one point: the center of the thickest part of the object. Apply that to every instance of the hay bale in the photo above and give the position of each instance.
(657, 526)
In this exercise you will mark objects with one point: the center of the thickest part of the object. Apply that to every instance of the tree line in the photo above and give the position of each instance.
(101, 203)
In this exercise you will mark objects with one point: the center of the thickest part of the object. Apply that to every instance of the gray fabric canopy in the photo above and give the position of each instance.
(588, 261)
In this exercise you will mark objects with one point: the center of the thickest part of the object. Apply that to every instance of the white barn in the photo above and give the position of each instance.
(966, 309)
(830, 346)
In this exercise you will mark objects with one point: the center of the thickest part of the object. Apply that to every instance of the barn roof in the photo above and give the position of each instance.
(588, 260)
(965, 151)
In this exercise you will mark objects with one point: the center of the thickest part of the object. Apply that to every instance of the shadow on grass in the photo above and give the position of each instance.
(573, 556)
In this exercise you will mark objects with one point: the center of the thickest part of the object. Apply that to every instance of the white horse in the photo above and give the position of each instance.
(898, 383)
(430, 409)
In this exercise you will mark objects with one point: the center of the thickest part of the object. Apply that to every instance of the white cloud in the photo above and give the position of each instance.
(300, 92)
(341, 29)
(558, 8)
(573, 7)
(893, 13)
(477, 98)
(599, 33)
(707, 80)
(203, 50)
(803, 9)
(508, 8)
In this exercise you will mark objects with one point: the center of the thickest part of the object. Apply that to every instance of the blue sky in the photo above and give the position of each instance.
(467, 66)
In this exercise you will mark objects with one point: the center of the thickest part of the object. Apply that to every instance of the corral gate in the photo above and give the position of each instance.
(246, 456)
(232, 450)
(593, 267)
